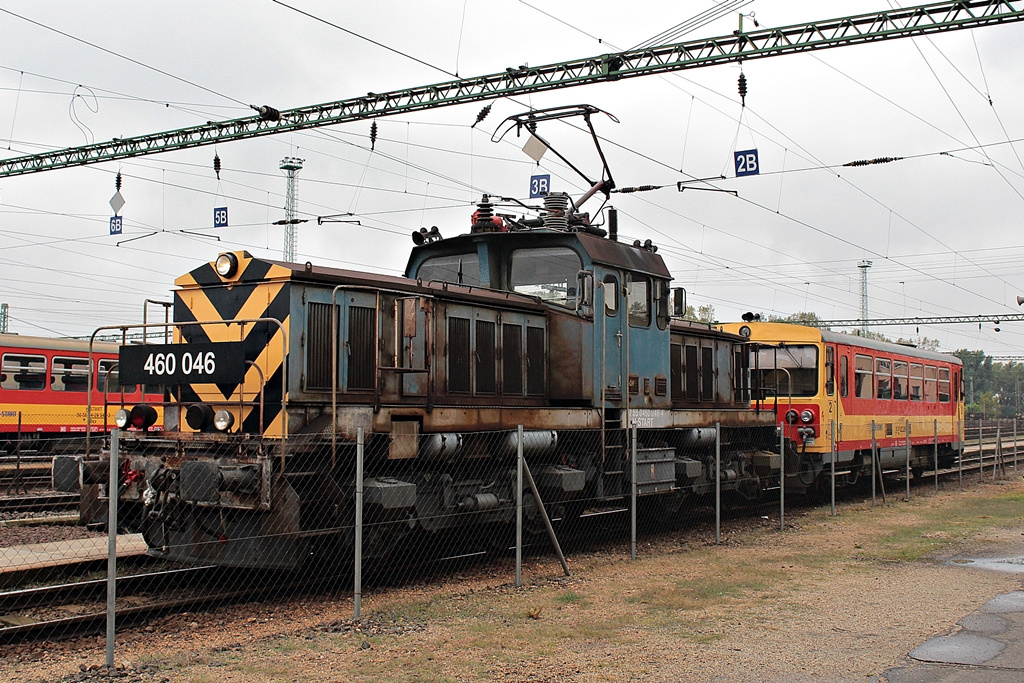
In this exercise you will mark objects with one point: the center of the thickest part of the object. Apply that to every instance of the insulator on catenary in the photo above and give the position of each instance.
(216, 164)
(373, 135)
(639, 188)
(482, 115)
(117, 181)
(868, 162)
(743, 89)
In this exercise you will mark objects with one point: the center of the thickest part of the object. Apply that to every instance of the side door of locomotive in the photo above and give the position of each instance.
(610, 329)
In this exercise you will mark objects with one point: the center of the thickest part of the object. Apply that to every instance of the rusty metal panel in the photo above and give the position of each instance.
(405, 440)
(691, 373)
(319, 333)
(512, 359)
(535, 366)
(362, 357)
(458, 356)
(570, 350)
(707, 373)
(486, 358)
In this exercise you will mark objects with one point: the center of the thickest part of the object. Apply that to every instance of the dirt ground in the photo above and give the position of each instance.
(831, 599)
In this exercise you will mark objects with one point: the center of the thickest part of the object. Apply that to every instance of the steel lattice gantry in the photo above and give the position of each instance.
(884, 25)
(937, 320)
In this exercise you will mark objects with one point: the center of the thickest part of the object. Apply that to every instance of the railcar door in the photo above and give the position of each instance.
(830, 406)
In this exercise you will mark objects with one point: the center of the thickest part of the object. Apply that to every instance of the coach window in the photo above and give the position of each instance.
(916, 382)
(944, 385)
(638, 301)
(19, 371)
(549, 274)
(883, 378)
(899, 380)
(109, 379)
(844, 369)
(931, 389)
(69, 374)
(863, 385)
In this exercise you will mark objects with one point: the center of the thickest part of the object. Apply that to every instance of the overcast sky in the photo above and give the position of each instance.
(942, 227)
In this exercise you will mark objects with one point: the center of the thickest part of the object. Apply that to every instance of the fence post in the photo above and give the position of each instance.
(112, 495)
(358, 569)
(835, 455)
(981, 450)
(632, 497)
(908, 460)
(997, 454)
(519, 506)
(874, 485)
(936, 456)
(782, 476)
(960, 460)
(1015, 445)
(718, 483)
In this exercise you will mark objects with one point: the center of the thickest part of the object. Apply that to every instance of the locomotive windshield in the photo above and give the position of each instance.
(775, 368)
(461, 269)
(549, 274)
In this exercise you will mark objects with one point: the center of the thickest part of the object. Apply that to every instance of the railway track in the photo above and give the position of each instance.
(42, 502)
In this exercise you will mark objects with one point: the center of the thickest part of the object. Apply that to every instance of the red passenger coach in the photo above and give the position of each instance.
(44, 388)
(815, 378)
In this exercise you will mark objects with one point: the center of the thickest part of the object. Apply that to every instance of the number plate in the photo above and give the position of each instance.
(223, 362)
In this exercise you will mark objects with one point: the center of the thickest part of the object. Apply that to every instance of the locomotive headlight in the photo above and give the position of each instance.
(223, 420)
(199, 416)
(806, 416)
(745, 332)
(121, 418)
(227, 264)
(142, 416)
(792, 417)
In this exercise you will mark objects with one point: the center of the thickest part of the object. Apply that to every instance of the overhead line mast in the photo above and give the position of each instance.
(884, 25)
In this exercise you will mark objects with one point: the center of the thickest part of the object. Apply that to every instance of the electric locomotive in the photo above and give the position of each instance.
(544, 323)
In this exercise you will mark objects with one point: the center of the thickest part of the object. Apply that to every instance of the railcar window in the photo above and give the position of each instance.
(462, 269)
(916, 382)
(69, 374)
(19, 371)
(109, 379)
(777, 367)
(931, 389)
(844, 371)
(883, 378)
(864, 380)
(944, 385)
(638, 301)
(900, 388)
(549, 274)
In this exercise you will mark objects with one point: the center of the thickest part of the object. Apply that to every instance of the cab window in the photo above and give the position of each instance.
(611, 296)
(844, 370)
(549, 274)
(638, 301)
(460, 269)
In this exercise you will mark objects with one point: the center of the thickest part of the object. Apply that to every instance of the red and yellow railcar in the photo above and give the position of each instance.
(45, 388)
(818, 379)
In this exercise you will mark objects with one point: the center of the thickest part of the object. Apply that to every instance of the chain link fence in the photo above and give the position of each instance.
(204, 520)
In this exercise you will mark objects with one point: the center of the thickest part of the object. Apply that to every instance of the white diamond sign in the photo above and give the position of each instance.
(117, 201)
